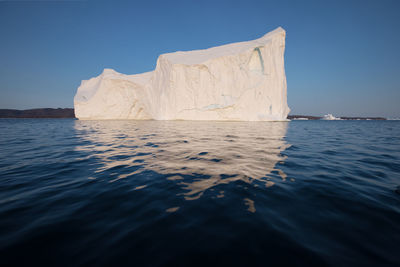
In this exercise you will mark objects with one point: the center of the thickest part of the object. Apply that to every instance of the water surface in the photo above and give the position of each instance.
(150, 193)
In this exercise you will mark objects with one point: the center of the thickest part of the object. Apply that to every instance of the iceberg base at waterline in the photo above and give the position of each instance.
(243, 81)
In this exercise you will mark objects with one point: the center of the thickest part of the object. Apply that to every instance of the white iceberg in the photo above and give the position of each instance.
(243, 81)
(330, 117)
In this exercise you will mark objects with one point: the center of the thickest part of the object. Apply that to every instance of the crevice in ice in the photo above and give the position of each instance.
(261, 59)
(256, 62)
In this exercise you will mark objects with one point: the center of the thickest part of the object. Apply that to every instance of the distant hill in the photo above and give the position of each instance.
(38, 113)
(364, 118)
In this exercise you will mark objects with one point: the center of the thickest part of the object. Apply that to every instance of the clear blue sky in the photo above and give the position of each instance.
(342, 57)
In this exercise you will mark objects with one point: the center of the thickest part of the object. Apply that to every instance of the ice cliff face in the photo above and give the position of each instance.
(241, 81)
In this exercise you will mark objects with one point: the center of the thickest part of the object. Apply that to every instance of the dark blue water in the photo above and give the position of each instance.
(111, 193)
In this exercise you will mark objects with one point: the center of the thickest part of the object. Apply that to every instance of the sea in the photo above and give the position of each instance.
(192, 193)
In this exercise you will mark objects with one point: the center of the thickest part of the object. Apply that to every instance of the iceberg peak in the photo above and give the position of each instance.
(108, 71)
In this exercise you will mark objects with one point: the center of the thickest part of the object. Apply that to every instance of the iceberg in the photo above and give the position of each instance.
(330, 117)
(242, 81)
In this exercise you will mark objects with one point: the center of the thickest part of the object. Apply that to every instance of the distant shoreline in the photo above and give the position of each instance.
(57, 113)
(38, 113)
(306, 117)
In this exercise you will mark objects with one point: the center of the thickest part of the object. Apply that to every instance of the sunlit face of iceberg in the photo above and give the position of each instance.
(196, 155)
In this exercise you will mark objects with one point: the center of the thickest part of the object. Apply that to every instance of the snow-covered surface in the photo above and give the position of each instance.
(330, 117)
(241, 81)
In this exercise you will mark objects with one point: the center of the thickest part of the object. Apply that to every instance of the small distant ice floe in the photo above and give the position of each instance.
(330, 117)
(301, 119)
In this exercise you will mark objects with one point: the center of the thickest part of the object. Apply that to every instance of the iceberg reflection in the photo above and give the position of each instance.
(209, 153)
